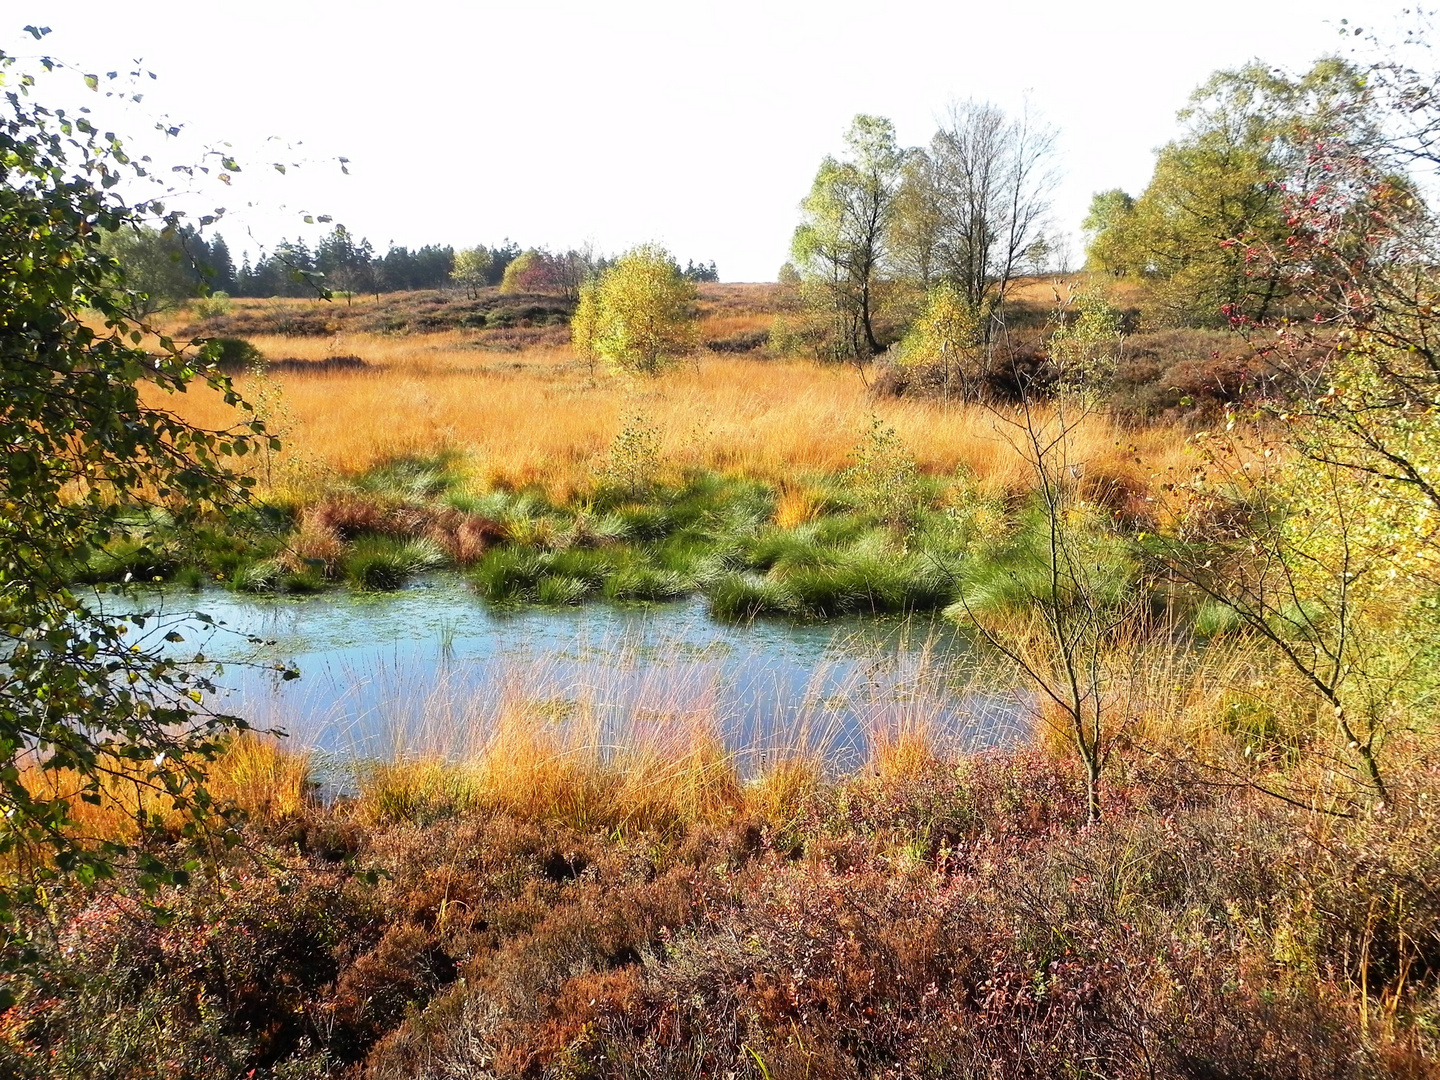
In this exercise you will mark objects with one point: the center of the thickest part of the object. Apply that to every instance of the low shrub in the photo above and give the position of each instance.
(928, 916)
(1188, 375)
(233, 354)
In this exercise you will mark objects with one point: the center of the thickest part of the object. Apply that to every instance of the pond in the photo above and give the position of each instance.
(430, 669)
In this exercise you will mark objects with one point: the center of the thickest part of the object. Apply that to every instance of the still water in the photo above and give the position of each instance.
(429, 669)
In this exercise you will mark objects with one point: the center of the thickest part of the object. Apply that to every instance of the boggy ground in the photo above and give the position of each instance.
(772, 484)
(929, 917)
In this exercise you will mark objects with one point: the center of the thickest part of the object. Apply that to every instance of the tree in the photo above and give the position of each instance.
(88, 696)
(1108, 226)
(219, 267)
(345, 261)
(700, 272)
(346, 264)
(472, 269)
(427, 267)
(1217, 193)
(947, 339)
(534, 271)
(1313, 523)
(1079, 612)
(917, 221)
(638, 315)
(991, 180)
(155, 265)
(840, 245)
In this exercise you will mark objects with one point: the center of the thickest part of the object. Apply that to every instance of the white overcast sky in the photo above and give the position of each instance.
(696, 125)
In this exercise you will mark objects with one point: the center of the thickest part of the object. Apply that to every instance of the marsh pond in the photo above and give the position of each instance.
(432, 670)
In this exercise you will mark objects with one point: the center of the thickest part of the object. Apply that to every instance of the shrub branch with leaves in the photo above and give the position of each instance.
(89, 698)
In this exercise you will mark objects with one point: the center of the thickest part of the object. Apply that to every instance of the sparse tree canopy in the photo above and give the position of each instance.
(87, 695)
(839, 247)
(991, 179)
(638, 314)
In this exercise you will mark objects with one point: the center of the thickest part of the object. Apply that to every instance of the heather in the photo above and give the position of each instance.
(923, 918)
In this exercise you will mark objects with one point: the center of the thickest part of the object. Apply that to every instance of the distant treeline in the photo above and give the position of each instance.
(172, 266)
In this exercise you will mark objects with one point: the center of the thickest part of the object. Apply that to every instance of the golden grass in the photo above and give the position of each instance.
(255, 773)
(795, 506)
(263, 776)
(531, 763)
(535, 418)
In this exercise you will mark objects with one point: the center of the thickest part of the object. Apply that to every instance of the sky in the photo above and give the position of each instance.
(697, 126)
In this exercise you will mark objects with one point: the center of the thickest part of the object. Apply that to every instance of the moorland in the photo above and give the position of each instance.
(1176, 503)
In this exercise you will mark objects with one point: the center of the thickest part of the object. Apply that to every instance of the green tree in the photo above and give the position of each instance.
(638, 315)
(917, 221)
(88, 696)
(346, 263)
(156, 267)
(1108, 226)
(1217, 194)
(537, 271)
(839, 248)
(472, 269)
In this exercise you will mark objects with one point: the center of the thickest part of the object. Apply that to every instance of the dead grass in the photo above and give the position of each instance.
(256, 774)
(534, 418)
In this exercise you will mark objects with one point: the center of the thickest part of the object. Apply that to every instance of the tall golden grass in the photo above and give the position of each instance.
(536, 418)
(255, 773)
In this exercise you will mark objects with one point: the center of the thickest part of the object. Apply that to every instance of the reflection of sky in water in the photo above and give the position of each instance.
(422, 670)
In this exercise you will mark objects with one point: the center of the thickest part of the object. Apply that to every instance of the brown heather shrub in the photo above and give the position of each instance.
(1125, 489)
(348, 516)
(342, 517)
(954, 918)
(1192, 376)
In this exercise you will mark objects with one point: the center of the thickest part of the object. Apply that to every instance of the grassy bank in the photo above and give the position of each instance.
(813, 549)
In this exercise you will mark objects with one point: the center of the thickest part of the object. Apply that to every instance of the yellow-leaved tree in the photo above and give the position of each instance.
(638, 316)
(946, 342)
